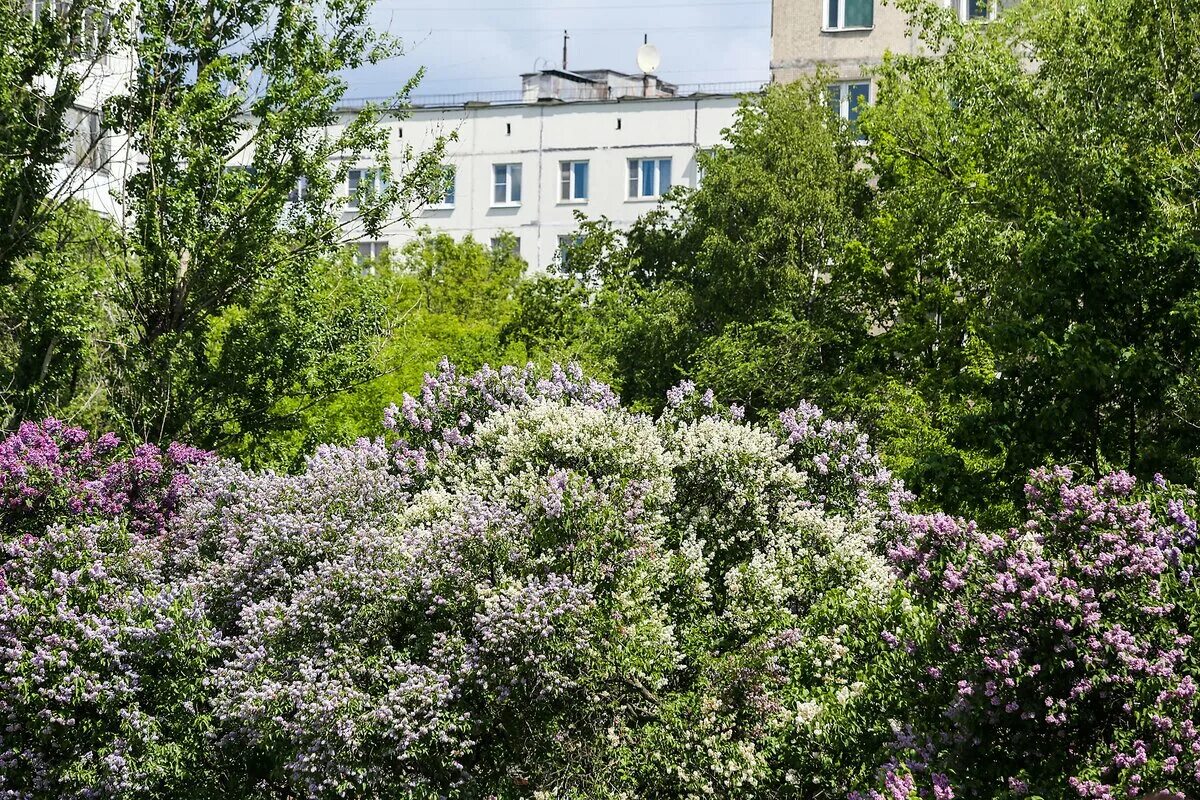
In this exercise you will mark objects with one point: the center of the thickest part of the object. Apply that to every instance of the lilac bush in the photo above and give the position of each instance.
(527, 589)
(101, 659)
(450, 405)
(50, 471)
(1061, 660)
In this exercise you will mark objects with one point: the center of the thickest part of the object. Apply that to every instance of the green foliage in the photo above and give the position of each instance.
(556, 321)
(435, 297)
(308, 333)
(463, 278)
(43, 67)
(232, 105)
(56, 320)
(753, 268)
(1045, 218)
(1003, 274)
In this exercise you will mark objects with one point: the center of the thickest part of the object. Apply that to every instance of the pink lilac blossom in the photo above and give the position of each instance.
(1065, 642)
(101, 655)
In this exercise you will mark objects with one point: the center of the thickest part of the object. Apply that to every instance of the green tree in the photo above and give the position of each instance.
(57, 321)
(753, 282)
(436, 297)
(463, 278)
(1037, 217)
(234, 107)
(48, 58)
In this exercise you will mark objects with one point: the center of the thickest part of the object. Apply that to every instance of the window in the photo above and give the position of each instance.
(90, 30)
(976, 10)
(649, 177)
(703, 157)
(565, 244)
(573, 185)
(507, 242)
(369, 251)
(444, 196)
(363, 182)
(848, 99)
(90, 34)
(98, 35)
(850, 14)
(507, 185)
(101, 152)
(89, 146)
(299, 192)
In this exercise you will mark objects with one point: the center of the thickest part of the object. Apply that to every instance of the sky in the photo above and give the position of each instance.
(480, 46)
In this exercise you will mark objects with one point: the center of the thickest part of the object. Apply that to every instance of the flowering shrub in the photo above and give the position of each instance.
(525, 590)
(529, 589)
(49, 471)
(100, 658)
(1062, 661)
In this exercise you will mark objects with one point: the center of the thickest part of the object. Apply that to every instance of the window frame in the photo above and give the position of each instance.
(568, 182)
(88, 143)
(638, 180)
(99, 145)
(378, 248)
(962, 7)
(845, 93)
(493, 244)
(299, 192)
(826, 13)
(566, 242)
(378, 184)
(449, 197)
(511, 199)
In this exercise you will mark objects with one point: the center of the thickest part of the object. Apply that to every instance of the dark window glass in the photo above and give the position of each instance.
(860, 13)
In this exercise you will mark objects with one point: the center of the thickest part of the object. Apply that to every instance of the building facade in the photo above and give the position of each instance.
(848, 38)
(95, 161)
(597, 143)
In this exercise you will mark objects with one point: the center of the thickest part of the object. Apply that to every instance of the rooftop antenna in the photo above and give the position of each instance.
(566, 36)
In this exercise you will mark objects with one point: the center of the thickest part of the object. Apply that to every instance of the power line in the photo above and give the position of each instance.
(657, 29)
(639, 7)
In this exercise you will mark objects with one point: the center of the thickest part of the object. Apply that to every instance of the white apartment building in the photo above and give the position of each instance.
(849, 38)
(601, 143)
(96, 161)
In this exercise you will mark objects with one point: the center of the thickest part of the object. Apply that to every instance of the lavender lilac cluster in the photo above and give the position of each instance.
(526, 590)
(101, 656)
(1062, 661)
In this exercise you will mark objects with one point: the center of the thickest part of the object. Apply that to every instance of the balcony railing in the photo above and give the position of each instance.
(582, 94)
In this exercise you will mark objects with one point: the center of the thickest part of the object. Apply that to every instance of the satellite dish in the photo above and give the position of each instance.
(647, 58)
